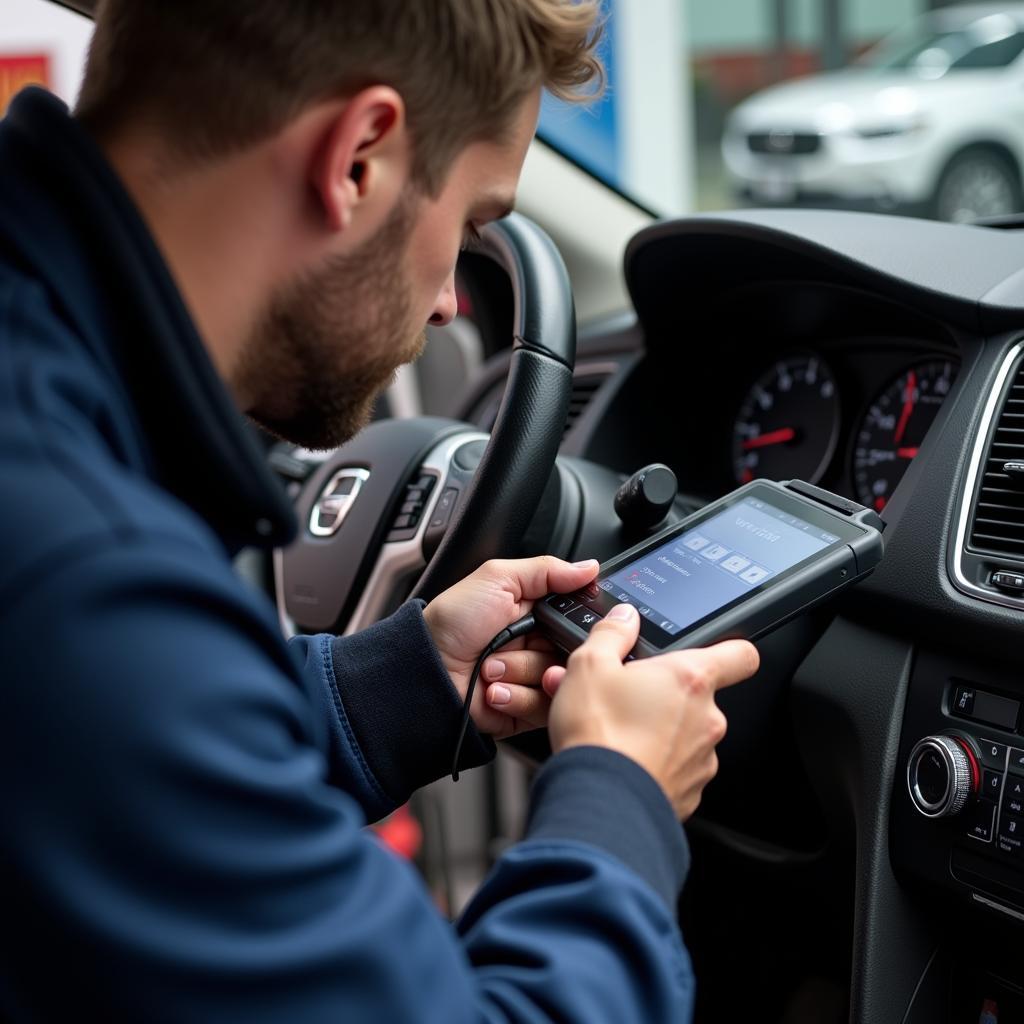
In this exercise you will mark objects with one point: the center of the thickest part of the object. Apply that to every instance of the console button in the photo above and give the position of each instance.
(963, 701)
(991, 784)
(1010, 845)
(584, 618)
(1017, 760)
(1011, 829)
(993, 755)
(563, 603)
(1012, 581)
(981, 821)
(1014, 788)
(1013, 806)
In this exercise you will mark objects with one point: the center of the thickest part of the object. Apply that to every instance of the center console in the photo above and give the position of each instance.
(958, 808)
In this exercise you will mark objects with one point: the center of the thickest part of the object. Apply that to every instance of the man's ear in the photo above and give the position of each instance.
(363, 160)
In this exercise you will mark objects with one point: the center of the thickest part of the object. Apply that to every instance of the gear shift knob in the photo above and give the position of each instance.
(645, 498)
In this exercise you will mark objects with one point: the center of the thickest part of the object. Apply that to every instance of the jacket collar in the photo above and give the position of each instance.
(67, 220)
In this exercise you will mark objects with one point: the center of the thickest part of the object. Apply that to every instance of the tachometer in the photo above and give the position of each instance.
(894, 427)
(788, 423)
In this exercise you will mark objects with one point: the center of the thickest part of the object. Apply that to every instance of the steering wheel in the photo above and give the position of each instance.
(430, 499)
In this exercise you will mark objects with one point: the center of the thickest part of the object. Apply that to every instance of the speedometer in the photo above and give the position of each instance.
(788, 423)
(894, 427)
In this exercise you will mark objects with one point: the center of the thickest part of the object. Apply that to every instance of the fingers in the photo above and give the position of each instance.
(722, 665)
(531, 578)
(552, 679)
(612, 638)
(523, 666)
(525, 703)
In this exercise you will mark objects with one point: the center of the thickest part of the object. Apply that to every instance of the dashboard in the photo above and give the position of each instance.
(848, 414)
(871, 356)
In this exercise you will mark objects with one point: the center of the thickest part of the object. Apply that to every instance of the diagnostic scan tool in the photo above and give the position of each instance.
(739, 568)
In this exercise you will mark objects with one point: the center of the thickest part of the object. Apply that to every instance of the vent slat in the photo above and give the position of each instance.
(997, 519)
(583, 390)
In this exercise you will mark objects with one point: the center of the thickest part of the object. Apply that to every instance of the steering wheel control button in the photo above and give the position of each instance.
(584, 618)
(439, 520)
(409, 514)
(563, 603)
(939, 777)
(335, 501)
(963, 702)
(991, 786)
(981, 821)
(445, 506)
(1016, 763)
(993, 755)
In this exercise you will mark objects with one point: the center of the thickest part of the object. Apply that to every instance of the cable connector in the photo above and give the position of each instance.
(519, 628)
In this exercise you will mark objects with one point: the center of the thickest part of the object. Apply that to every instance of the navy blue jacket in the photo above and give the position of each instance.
(184, 793)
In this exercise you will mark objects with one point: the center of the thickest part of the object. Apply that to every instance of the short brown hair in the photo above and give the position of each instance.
(214, 76)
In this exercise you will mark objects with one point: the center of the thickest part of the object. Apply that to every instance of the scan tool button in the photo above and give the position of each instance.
(584, 618)
(563, 603)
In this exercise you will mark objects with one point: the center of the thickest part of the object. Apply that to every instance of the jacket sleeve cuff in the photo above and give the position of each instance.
(403, 710)
(603, 798)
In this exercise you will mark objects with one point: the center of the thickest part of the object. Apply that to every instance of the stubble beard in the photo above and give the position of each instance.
(330, 342)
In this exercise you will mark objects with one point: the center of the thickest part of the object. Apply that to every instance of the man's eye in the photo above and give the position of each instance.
(471, 238)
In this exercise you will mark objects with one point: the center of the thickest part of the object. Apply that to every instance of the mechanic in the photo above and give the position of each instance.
(255, 209)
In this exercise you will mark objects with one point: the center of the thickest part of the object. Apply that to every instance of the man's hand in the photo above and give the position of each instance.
(464, 619)
(660, 712)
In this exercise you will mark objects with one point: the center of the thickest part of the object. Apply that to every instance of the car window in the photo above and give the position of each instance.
(41, 44)
(880, 105)
(932, 50)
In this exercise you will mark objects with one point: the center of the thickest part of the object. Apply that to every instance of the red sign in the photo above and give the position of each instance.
(17, 72)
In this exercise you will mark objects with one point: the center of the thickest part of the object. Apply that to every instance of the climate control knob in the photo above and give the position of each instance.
(941, 776)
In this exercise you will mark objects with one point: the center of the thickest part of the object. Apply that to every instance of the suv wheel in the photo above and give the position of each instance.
(977, 183)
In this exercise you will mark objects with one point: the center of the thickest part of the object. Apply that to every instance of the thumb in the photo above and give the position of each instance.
(616, 634)
(532, 578)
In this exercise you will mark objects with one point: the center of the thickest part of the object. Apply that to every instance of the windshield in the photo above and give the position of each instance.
(719, 104)
(931, 51)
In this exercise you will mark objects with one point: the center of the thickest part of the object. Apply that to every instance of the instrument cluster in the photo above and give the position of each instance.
(851, 419)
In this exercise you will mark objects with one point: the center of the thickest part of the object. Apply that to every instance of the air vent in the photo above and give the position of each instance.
(584, 387)
(997, 526)
(585, 384)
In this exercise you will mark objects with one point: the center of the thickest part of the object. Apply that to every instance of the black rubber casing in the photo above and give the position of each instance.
(768, 606)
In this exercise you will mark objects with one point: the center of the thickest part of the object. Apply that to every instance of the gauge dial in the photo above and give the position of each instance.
(788, 423)
(894, 427)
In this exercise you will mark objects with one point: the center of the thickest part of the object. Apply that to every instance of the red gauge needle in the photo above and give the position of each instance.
(909, 398)
(907, 453)
(783, 436)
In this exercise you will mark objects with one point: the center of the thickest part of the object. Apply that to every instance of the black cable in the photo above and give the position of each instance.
(519, 628)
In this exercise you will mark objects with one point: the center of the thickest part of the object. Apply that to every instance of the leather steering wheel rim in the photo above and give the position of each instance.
(520, 455)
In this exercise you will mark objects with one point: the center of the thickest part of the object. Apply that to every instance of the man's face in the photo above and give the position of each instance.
(331, 340)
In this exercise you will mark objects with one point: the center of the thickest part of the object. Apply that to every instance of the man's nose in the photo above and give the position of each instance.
(447, 305)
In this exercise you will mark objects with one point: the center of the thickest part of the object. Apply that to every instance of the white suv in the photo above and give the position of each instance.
(930, 121)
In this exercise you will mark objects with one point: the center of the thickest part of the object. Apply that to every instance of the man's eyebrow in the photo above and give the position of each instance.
(496, 207)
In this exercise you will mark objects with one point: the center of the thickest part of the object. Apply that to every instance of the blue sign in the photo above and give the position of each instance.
(588, 134)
